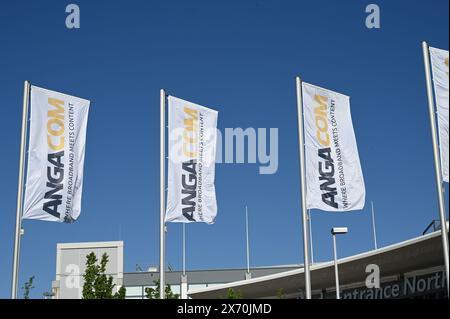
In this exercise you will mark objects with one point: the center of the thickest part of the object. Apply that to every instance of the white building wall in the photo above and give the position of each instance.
(71, 266)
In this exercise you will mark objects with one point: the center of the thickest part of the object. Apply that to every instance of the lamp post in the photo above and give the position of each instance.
(337, 231)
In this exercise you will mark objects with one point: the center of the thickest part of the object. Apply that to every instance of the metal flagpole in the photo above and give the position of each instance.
(248, 244)
(162, 186)
(23, 139)
(373, 226)
(311, 236)
(184, 281)
(184, 249)
(437, 164)
(303, 186)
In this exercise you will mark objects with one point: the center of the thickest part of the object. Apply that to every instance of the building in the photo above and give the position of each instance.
(71, 265)
(136, 282)
(409, 269)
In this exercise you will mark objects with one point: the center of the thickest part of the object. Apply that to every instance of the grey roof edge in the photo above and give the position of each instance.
(318, 266)
(100, 244)
(293, 266)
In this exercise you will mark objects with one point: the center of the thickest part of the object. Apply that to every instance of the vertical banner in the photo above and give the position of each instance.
(191, 195)
(333, 171)
(440, 69)
(55, 156)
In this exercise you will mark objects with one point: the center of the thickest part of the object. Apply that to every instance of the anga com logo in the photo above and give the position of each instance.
(326, 162)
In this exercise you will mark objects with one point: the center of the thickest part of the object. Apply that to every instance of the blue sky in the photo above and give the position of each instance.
(241, 58)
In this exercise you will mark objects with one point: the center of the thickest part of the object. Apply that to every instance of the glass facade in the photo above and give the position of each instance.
(138, 292)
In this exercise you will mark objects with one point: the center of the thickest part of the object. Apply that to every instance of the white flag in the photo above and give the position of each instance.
(439, 63)
(191, 195)
(333, 172)
(55, 156)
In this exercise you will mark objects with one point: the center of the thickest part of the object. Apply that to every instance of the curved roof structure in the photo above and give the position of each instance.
(395, 260)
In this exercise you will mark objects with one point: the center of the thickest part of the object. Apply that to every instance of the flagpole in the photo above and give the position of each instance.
(184, 281)
(162, 196)
(373, 226)
(184, 249)
(247, 241)
(311, 236)
(303, 188)
(19, 209)
(437, 164)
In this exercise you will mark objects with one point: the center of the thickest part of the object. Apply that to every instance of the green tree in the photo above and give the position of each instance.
(97, 285)
(231, 294)
(153, 293)
(280, 293)
(27, 288)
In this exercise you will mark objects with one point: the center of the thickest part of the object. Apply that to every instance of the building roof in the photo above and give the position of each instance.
(411, 255)
(88, 245)
(215, 276)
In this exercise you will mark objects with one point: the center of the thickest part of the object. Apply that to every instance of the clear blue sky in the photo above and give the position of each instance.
(239, 57)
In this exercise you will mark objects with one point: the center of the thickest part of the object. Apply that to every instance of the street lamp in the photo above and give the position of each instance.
(337, 231)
